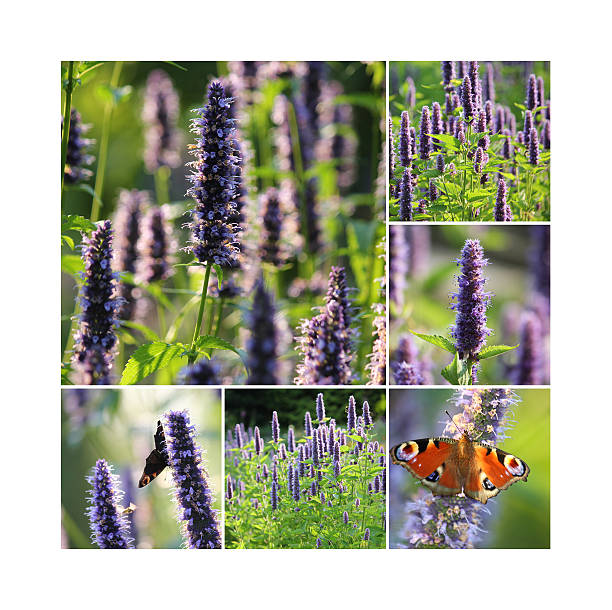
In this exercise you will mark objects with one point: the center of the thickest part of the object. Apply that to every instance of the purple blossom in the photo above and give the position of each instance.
(367, 416)
(507, 150)
(109, 529)
(290, 440)
(345, 518)
(194, 497)
(351, 414)
(274, 495)
(545, 135)
(156, 245)
(203, 372)
(258, 443)
(467, 99)
(425, 146)
(528, 123)
(229, 490)
(440, 163)
(320, 408)
(532, 92)
(270, 250)
(503, 213)
(95, 341)
(482, 128)
(475, 83)
(448, 74)
(405, 373)
(528, 370)
(398, 264)
(479, 160)
(437, 126)
(238, 433)
(262, 345)
(366, 534)
(534, 147)
(489, 83)
(405, 195)
(160, 115)
(296, 486)
(77, 156)
(275, 427)
(471, 301)
(391, 151)
(377, 365)
(405, 146)
(213, 183)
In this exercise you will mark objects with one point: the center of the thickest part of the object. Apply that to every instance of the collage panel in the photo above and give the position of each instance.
(141, 468)
(305, 469)
(469, 304)
(223, 223)
(484, 441)
(469, 141)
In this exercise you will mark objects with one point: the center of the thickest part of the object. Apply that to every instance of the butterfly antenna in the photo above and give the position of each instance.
(453, 422)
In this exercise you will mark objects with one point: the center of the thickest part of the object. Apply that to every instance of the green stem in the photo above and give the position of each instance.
(103, 152)
(66, 125)
(198, 326)
(161, 184)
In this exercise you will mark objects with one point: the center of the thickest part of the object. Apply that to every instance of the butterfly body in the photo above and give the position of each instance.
(157, 460)
(449, 466)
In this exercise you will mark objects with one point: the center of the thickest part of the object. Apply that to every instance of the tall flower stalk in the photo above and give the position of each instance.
(193, 494)
(262, 345)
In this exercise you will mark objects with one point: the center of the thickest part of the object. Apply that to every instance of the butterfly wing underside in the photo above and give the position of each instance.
(493, 471)
(429, 460)
(157, 459)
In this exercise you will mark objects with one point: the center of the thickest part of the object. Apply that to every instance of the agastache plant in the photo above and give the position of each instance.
(95, 341)
(304, 504)
(470, 331)
(457, 521)
(77, 155)
(193, 494)
(109, 528)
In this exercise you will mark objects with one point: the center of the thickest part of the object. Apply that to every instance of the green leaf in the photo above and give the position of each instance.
(458, 372)
(210, 342)
(438, 341)
(495, 350)
(72, 264)
(173, 63)
(147, 332)
(72, 222)
(150, 358)
(66, 239)
(447, 139)
(219, 273)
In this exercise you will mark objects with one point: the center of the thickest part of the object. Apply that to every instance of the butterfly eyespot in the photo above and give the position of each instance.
(433, 477)
(406, 451)
(514, 466)
(487, 484)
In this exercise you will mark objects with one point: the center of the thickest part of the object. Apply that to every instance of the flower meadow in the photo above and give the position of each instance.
(319, 484)
(469, 305)
(469, 141)
(106, 438)
(519, 517)
(223, 223)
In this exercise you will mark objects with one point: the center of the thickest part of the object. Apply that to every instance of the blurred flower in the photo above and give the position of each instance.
(528, 370)
(410, 93)
(391, 151)
(448, 74)
(407, 374)
(262, 345)
(398, 265)
(489, 83)
(377, 366)
(270, 250)
(476, 86)
(471, 301)
(213, 184)
(108, 527)
(194, 497)
(203, 372)
(95, 341)
(160, 115)
(77, 156)
(156, 247)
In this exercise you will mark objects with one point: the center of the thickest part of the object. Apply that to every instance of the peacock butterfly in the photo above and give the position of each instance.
(449, 466)
(158, 458)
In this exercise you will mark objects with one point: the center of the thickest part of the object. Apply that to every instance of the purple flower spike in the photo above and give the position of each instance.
(367, 416)
(109, 529)
(467, 99)
(156, 245)
(534, 147)
(296, 486)
(377, 365)
(391, 151)
(407, 374)
(262, 345)
(274, 495)
(532, 92)
(238, 434)
(489, 89)
(507, 150)
(345, 518)
(77, 156)
(320, 408)
(437, 125)
(270, 250)
(411, 93)
(203, 372)
(405, 196)
(482, 128)
(433, 191)
(275, 427)
(503, 213)
(366, 534)
(488, 110)
(160, 115)
(530, 357)
(479, 160)
(351, 415)
(448, 74)
(470, 329)
(440, 163)
(528, 125)
(258, 445)
(290, 440)
(229, 489)
(545, 136)
(95, 341)
(425, 146)
(318, 543)
(405, 145)
(307, 424)
(475, 83)
(213, 234)
(194, 497)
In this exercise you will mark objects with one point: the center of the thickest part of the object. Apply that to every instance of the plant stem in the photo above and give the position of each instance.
(198, 326)
(103, 153)
(66, 124)
(161, 177)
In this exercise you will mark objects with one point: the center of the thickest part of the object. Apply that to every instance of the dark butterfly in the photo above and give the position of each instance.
(157, 460)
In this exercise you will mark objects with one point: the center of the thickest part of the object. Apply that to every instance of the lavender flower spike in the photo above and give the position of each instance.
(503, 213)
(405, 373)
(405, 195)
(532, 92)
(95, 341)
(160, 115)
(425, 146)
(270, 250)
(320, 408)
(262, 345)
(213, 182)
(534, 147)
(194, 497)
(156, 246)
(351, 415)
(391, 151)
(275, 427)
(467, 99)
(77, 156)
(530, 356)
(470, 329)
(109, 529)
(405, 146)
(377, 366)
(448, 74)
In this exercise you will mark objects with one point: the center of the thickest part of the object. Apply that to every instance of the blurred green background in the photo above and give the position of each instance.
(255, 407)
(432, 277)
(520, 515)
(119, 425)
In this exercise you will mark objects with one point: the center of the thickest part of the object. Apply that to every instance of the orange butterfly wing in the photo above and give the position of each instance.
(430, 461)
(492, 471)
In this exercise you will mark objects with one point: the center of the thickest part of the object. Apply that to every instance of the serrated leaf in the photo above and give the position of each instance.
(458, 372)
(447, 139)
(73, 222)
(495, 350)
(150, 358)
(438, 341)
(210, 342)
